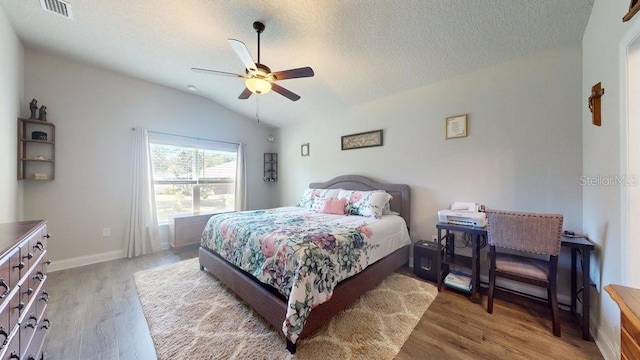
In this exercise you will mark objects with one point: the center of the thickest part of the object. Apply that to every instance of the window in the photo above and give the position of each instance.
(192, 175)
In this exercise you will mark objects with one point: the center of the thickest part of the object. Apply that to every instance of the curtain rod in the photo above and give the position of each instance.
(189, 137)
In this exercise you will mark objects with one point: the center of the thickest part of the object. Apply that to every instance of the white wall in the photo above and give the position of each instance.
(94, 110)
(523, 151)
(602, 155)
(11, 105)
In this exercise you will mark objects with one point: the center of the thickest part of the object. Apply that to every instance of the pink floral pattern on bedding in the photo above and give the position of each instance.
(302, 254)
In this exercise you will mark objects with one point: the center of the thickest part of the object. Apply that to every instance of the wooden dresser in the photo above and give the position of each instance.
(628, 299)
(23, 297)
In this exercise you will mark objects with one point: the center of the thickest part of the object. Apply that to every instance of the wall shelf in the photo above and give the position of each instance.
(270, 167)
(36, 157)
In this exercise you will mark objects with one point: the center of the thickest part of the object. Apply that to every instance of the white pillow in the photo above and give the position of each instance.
(314, 198)
(386, 210)
(365, 203)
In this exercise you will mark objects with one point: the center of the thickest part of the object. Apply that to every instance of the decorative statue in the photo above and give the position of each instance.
(33, 106)
(43, 113)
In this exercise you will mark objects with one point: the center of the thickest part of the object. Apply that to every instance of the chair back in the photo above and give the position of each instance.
(522, 231)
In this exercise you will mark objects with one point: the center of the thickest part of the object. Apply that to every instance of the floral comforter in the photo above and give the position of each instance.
(301, 253)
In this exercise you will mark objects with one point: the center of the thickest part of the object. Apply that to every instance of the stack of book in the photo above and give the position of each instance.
(458, 280)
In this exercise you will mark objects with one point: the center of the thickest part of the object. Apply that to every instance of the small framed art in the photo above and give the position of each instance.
(304, 149)
(362, 140)
(455, 126)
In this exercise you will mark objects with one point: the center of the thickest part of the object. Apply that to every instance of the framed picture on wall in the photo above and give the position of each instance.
(455, 126)
(362, 140)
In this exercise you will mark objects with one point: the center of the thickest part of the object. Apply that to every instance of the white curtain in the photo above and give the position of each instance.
(142, 235)
(241, 181)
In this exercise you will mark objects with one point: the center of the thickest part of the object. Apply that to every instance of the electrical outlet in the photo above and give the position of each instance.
(434, 238)
(106, 232)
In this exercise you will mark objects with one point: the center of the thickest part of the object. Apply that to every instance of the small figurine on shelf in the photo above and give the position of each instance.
(33, 106)
(43, 113)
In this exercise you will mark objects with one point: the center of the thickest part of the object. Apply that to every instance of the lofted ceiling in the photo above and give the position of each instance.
(360, 50)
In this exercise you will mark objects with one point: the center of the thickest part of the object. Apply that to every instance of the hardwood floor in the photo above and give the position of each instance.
(95, 314)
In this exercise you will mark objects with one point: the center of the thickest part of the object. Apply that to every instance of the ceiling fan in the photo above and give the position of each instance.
(258, 77)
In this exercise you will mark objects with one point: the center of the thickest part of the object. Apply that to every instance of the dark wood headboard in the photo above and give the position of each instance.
(401, 193)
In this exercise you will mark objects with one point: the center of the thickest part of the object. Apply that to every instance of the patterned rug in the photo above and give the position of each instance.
(192, 316)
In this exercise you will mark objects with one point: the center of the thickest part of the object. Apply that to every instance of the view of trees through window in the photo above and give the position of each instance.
(188, 179)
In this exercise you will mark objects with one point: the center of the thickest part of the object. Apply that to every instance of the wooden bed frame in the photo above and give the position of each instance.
(266, 301)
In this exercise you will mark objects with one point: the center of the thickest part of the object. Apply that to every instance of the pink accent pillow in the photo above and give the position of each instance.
(333, 206)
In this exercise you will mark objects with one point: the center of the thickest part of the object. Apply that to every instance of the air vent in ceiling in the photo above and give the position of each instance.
(59, 7)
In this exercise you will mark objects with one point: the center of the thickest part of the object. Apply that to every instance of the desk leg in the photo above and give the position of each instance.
(586, 292)
(574, 281)
(438, 261)
(475, 269)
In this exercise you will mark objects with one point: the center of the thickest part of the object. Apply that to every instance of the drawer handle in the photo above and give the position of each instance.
(20, 306)
(6, 336)
(47, 325)
(28, 292)
(29, 256)
(6, 288)
(38, 246)
(29, 324)
(38, 276)
(14, 356)
(45, 296)
(19, 266)
(47, 236)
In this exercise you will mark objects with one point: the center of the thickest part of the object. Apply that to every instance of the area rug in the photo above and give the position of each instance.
(193, 316)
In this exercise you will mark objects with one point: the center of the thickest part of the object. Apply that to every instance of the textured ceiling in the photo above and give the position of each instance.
(360, 50)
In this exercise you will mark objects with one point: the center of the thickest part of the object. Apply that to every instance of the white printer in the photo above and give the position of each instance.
(463, 213)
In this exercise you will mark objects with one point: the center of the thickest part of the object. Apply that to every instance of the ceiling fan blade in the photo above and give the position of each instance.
(245, 94)
(293, 73)
(215, 72)
(243, 53)
(284, 92)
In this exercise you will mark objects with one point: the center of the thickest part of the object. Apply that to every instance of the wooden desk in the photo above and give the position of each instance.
(577, 245)
(584, 247)
(476, 234)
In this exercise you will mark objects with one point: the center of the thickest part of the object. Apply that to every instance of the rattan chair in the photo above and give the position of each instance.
(527, 233)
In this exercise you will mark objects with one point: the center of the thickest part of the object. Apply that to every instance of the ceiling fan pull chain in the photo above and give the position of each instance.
(258, 109)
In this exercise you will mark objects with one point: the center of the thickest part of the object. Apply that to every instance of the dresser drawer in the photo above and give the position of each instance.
(5, 282)
(27, 329)
(42, 300)
(629, 338)
(15, 267)
(12, 349)
(38, 243)
(5, 324)
(32, 248)
(633, 332)
(31, 284)
(34, 351)
(10, 309)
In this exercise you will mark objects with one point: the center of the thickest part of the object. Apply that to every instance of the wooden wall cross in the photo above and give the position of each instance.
(634, 7)
(594, 103)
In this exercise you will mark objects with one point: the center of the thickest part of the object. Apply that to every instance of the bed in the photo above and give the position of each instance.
(269, 300)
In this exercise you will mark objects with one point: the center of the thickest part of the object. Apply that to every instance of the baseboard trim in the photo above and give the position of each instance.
(58, 265)
(604, 343)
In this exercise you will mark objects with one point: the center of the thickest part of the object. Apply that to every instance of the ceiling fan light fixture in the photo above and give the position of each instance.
(258, 85)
